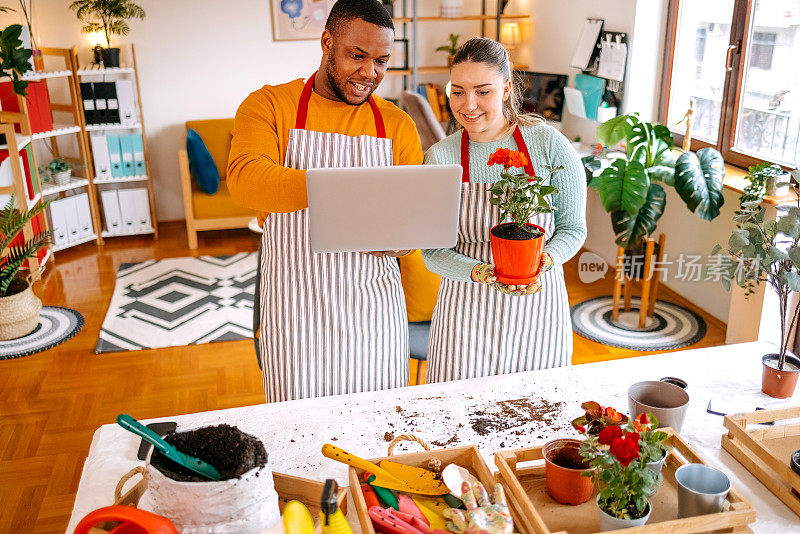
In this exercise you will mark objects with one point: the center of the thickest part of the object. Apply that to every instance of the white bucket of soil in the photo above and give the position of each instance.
(244, 501)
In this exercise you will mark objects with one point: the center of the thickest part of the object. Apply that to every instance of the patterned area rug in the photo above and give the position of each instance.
(180, 301)
(56, 325)
(671, 326)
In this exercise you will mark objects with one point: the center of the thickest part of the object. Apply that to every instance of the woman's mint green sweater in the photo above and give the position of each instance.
(547, 147)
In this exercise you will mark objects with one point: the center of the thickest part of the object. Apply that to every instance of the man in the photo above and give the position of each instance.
(329, 323)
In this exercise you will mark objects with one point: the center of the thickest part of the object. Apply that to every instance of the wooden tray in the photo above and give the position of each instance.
(525, 491)
(467, 457)
(288, 488)
(765, 451)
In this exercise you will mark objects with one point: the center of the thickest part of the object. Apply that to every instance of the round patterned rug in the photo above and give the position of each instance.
(56, 325)
(671, 326)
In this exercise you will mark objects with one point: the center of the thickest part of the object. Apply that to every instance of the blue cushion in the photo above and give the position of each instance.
(201, 163)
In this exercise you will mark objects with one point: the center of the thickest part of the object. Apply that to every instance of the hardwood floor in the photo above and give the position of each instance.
(51, 403)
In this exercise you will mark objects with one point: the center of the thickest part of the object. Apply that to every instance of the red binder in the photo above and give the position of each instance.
(38, 99)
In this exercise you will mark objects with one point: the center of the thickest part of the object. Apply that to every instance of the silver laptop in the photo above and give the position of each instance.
(362, 209)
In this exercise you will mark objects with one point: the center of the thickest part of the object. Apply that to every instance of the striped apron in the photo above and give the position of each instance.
(329, 323)
(476, 330)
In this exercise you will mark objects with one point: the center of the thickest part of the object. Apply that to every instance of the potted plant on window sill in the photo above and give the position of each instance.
(19, 307)
(109, 17)
(631, 186)
(517, 245)
(769, 251)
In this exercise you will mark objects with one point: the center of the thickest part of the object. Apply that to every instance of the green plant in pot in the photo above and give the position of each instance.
(517, 245)
(450, 48)
(109, 17)
(19, 307)
(59, 171)
(631, 187)
(14, 58)
(768, 251)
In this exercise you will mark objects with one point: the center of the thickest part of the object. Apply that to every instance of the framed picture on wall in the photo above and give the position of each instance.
(296, 20)
(399, 57)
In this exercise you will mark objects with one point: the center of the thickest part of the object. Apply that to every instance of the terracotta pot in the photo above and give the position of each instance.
(609, 522)
(516, 261)
(563, 472)
(779, 384)
(19, 311)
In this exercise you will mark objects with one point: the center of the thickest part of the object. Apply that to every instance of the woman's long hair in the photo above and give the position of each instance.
(490, 52)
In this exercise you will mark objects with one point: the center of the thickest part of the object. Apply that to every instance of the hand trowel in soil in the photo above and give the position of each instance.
(190, 462)
(411, 479)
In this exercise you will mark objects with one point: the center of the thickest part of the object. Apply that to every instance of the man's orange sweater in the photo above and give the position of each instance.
(256, 176)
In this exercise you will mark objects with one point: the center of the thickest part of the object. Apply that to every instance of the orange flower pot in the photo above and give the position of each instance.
(516, 261)
(779, 384)
(563, 472)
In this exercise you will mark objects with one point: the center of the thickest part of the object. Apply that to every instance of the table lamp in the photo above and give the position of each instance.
(510, 36)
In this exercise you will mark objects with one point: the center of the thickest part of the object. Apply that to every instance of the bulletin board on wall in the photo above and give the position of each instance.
(296, 20)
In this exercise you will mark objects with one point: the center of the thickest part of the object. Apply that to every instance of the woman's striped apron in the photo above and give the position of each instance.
(478, 331)
(329, 323)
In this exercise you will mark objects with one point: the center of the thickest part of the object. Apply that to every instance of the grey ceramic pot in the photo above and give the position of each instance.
(667, 402)
(609, 522)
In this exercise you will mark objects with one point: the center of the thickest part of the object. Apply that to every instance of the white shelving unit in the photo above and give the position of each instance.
(53, 189)
(86, 239)
(126, 179)
(106, 233)
(37, 76)
(108, 126)
(55, 132)
(94, 70)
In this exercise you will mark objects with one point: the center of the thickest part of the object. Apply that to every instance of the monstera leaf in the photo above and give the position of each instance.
(614, 130)
(633, 229)
(647, 142)
(698, 181)
(622, 186)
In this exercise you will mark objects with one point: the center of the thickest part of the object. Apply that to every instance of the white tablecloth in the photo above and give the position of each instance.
(457, 412)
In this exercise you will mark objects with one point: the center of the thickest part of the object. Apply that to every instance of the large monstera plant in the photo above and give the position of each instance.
(631, 188)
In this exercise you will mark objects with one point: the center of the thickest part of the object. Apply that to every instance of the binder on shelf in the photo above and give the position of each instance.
(84, 216)
(126, 149)
(87, 94)
(71, 215)
(30, 189)
(127, 102)
(111, 211)
(58, 220)
(114, 155)
(37, 102)
(142, 209)
(102, 163)
(38, 226)
(112, 104)
(100, 106)
(140, 169)
(127, 209)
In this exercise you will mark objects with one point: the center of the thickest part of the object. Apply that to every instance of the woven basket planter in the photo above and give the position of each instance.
(19, 313)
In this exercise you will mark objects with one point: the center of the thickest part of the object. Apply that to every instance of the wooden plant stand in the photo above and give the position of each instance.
(650, 281)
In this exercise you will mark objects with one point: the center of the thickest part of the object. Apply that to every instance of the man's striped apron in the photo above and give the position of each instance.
(329, 323)
(478, 331)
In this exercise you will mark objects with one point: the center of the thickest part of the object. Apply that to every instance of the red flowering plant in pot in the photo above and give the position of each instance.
(517, 245)
(620, 454)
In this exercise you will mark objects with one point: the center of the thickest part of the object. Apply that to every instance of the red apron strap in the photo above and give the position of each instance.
(305, 97)
(521, 146)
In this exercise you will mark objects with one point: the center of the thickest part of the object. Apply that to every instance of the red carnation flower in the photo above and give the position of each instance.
(507, 158)
(626, 448)
(609, 434)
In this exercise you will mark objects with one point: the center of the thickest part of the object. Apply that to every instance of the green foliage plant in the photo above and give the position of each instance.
(631, 187)
(12, 221)
(107, 16)
(14, 58)
(768, 251)
(451, 48)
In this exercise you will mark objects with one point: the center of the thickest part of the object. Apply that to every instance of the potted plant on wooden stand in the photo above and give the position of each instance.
(517, 245)
(631, 186)
(19, 307)
(109, 17)
(769, 251)
(620, 457)
(451, 48)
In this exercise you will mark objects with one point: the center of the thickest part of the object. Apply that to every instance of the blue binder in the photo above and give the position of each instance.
(115, 156)
(126, 147)
(592, 89)
(138, 156)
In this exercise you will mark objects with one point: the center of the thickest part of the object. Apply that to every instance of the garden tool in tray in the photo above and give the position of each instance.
(392, 475)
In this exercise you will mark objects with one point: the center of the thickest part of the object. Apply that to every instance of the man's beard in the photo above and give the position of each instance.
(336, 87)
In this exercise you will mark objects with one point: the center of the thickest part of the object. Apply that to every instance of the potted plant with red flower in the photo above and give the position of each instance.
(517, 245)
(620, 458)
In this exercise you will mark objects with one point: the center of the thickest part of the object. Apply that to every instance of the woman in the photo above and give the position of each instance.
(481, 327)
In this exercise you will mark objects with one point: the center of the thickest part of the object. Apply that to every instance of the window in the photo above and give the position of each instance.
(737, 60)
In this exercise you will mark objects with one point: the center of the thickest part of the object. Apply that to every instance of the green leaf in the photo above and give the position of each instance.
(664, 134)
(632, 230)
(776, 254)
(789, 224)
(622, 186)
(661, 173)
(494, 201)
(698, 181)
(792, 279)
(613, 131)
(716, 249)
(738, 240)
(794, 255)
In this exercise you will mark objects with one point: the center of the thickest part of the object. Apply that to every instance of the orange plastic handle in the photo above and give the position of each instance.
(134, 521)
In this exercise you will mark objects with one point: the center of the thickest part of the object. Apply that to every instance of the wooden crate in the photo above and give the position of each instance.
(526, 493)
(467, 457)
(765, 451)
(288, 488)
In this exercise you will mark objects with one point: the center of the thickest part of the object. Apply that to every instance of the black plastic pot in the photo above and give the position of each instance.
(110, 57)
(633, 262)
